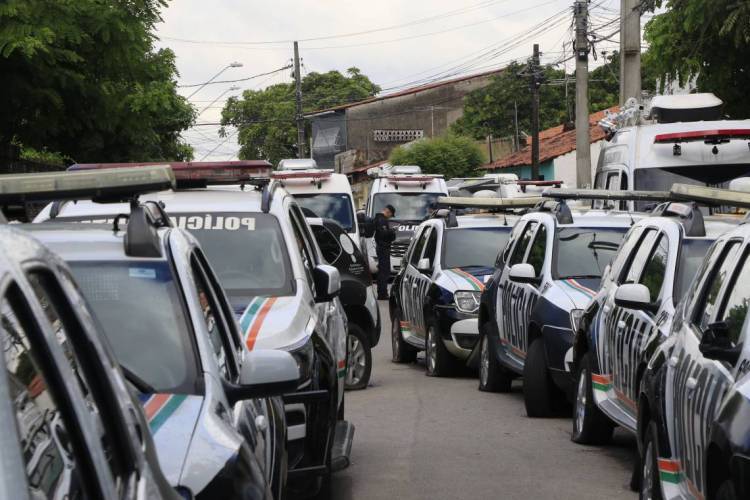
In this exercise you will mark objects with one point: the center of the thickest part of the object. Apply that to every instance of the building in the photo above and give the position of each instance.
(557, 153)
(367, 131)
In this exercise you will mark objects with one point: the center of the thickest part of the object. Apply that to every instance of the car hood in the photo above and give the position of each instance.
(465, 278)
(172, 419)
(273, 322)
(579, 291)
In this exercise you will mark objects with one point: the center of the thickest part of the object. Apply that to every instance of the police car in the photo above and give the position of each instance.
(435, 295)
(413, 195)
(323, 192)
(263, 252)
(72, 428)
(357, 297)
(633, 310)
(694, 404)
(542, 282)
(172, 330)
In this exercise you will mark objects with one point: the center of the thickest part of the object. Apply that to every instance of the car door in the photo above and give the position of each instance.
(423, 279)
(509, 318)
(696, 386)
(410, 304)
(624, 327)
(527, 294)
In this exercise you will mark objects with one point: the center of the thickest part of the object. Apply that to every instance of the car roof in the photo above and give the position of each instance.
(486, 220)
(335, 183)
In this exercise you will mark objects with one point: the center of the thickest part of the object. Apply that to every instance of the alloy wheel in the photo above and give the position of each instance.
(356, 362)
(484, 371)
(647, 474)
(431, 350)
(581, 398)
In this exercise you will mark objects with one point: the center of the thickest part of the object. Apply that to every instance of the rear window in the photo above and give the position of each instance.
(473, 247)
(583, 252)
(691, 257)
(329, 206)
(139, 308)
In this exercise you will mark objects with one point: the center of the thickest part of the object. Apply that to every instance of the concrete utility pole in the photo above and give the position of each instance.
(536, 82)
(583, 144)
(630, 50)
(298, 99)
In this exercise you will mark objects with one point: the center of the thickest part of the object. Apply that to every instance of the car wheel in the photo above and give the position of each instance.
(358, 359)
(492, 376)
(726, 491)
(539, 392)
(650, 484)
(438, 361)
(590, 425)
(402, 352)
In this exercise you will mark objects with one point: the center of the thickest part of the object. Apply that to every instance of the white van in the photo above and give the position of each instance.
(413, 195)
(655, 152)
(326, 194)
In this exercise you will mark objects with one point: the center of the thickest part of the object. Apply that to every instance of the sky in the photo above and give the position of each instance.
(396, 43)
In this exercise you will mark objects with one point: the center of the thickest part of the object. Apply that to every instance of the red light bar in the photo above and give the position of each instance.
(537, 183)
(304, 174)
(709, 136)
(208, 172)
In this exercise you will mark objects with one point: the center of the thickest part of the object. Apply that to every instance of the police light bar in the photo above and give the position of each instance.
(716, 136)
(113, 185)
(302, 174)
(200, 172)
(399, 178)
(601, 194)
(710, 196)
(488, 203)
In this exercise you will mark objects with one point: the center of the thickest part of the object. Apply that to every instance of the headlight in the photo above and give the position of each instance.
(467, 302)
(576, 315)
(304, 356)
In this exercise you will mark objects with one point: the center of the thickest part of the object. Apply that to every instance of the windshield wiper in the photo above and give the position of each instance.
(137, 381)
(581, 277)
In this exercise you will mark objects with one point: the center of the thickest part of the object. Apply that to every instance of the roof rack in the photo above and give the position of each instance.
(600, 194)
(312, 176)
(488, 203)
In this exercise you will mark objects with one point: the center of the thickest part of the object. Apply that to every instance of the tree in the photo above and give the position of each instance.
(265, 119)
(451, 155)
(82, 78)
(708, 40)
(604, 81)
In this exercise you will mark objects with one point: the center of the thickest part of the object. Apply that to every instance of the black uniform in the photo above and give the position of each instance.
(384, 236)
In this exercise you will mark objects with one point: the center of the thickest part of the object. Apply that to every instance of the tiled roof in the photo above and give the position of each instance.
(365, 168)
(411, 90)
(553, 143)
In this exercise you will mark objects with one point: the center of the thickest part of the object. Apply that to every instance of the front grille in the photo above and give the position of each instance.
(398, 248)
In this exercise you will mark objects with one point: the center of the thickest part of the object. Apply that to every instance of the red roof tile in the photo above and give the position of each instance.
(553, 143)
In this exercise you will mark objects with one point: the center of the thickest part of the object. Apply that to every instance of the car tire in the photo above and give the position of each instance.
(726, 491)
(650, 484)
(540, 395)
(438, 362)
(492, 376)
(590, 425)
(358, 359)
(401, 351)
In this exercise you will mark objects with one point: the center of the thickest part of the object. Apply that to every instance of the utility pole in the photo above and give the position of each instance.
(630, 50)
(516, 138)
(298, 99)
(536, 82)
(583, 144)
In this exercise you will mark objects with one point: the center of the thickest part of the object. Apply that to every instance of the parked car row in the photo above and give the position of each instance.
(174, 332)
(634, 319)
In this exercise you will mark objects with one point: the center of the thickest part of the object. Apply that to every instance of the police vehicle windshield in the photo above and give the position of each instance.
(246, 251)
(691, 257)
(329, 206)
(140, 311)
(409, 206)
(473, 246)
(584, 252)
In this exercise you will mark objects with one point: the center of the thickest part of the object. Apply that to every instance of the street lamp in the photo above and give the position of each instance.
(233, 88)
(231, 65)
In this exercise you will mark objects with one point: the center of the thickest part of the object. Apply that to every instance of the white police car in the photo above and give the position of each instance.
(543, 280)
(173, 331)
(265, 257)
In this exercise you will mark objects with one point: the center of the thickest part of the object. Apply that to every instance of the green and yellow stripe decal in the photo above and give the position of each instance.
(474, 283)
(159, 407)
(601, 382)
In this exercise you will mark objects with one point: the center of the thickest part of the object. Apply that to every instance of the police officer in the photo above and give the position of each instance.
(384, 236)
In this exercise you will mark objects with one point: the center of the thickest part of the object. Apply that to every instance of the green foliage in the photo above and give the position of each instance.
(266, 118)
(604, 82)
(82, 77)
(707, 39)
(451, 155)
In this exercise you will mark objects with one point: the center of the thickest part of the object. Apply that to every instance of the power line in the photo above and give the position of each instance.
(235, 81)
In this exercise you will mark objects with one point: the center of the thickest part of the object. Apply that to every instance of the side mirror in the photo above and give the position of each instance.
(423, 266)
(634, 296)
(715, 344)
(523, 273)
(264, 373)
(327, 283)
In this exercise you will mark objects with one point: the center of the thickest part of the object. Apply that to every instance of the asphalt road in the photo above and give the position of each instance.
(432, 438)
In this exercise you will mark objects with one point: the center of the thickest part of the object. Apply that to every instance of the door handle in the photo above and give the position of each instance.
(691, 384)
(606, 309)
(261, 423)
(414, 286)
(673, 361)
(621, 325)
